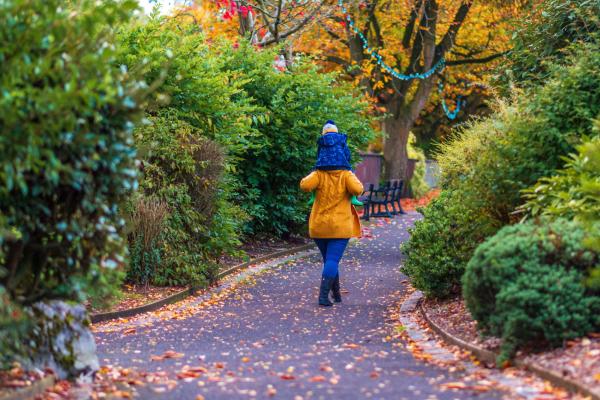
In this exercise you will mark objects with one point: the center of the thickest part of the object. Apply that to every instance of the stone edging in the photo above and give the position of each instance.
(29, 392)
(489, 357)
(107, 316)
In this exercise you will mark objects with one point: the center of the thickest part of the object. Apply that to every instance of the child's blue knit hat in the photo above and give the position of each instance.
(329, 127)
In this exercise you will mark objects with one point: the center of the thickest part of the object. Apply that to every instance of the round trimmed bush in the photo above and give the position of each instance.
(526, 284)
(545, 304)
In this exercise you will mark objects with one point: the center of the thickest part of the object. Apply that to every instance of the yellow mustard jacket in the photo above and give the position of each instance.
(332, 215)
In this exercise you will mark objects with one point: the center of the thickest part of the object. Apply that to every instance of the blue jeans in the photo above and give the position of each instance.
(332, 251)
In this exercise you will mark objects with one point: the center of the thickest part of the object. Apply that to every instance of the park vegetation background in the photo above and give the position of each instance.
(147, 148)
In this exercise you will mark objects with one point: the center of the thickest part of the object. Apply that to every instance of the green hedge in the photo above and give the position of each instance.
(264, 124)
(525, 284)
(293, 107)
(196, 127)
(496, 158)
(67, 112)
(66, 115)
(534, 282)
(441, 244)
(544, 39)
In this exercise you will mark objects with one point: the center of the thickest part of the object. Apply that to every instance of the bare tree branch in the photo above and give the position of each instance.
(410, 26)
(337, 60)
(482, 60)
(448, 40)
(335, 35)
(277, 21)
(295, 29)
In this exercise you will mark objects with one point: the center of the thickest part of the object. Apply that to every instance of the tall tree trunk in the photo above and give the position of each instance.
(395, 153)
(397, 128)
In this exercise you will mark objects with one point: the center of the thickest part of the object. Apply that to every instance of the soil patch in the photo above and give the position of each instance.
(578, 360)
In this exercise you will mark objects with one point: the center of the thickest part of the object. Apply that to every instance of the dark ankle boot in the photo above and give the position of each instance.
(335, 289)
(326, 284)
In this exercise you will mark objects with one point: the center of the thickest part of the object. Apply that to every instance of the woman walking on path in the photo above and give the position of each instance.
(333, 221)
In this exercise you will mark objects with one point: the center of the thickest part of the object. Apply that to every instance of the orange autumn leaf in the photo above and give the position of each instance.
(167, 354)
(454, 385)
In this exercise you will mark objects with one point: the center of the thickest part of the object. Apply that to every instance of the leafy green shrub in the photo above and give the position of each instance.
(195, 84)
(66, 118)
(495, 158)
(442, 243)
(295, 105)
(525, 284)
(185, 171)
(198, 127)
(541, 40)
(573, 192)
(545, 304)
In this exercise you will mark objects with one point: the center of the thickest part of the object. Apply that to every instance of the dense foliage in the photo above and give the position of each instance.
(66, 119)
(227, 138)
(495, 158)
(544, 38)
(574, 192)
(183, 171)
(533, 282)
(191, 123)
(525, 284)
(442, 243)
(489, 163)
(294, 105)
(66, 146)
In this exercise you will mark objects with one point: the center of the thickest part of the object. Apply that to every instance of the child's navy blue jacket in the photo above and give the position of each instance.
(333, 152)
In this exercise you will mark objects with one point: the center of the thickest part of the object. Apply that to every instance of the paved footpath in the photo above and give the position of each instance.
(267, 337)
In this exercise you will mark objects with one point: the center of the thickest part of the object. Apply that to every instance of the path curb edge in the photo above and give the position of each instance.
(489, 357)
(107, 316)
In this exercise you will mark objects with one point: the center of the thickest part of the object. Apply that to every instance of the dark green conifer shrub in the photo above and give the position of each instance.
(525, 284)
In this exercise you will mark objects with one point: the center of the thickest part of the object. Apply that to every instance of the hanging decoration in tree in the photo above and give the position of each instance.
(439, 66)
(460, 102)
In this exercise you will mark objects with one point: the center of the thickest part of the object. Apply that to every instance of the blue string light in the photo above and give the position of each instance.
(377, 57)
(440, 65)
(459, 102)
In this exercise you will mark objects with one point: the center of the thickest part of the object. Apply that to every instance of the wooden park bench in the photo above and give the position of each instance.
(382, 202)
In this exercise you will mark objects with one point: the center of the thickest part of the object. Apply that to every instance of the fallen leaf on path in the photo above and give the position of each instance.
(453, 385)
(271, 391)
(167, 354)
